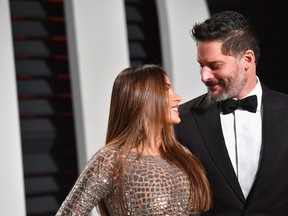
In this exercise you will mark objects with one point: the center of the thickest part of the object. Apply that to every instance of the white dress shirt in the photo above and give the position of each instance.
(242, 132)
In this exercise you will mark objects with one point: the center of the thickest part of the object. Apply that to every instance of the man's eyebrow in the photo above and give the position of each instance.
(212, 62)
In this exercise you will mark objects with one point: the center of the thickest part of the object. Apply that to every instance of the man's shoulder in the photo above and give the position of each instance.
(274, 96)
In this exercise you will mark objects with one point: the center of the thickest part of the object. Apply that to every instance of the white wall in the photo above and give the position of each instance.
(12, 198)
(176, 19)
(98, 51)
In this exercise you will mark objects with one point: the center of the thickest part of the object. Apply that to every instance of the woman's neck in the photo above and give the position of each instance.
(150, 147)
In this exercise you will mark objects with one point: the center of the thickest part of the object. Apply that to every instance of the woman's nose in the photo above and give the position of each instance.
(177, 97)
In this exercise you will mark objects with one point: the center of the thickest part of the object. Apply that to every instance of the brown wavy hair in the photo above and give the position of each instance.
(140, 98)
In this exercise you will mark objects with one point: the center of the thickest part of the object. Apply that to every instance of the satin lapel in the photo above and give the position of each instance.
(210, 128)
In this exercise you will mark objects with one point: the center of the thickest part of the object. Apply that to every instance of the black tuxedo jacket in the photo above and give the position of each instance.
(200, 131)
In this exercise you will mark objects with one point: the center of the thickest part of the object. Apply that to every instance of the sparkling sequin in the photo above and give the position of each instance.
(151, 187)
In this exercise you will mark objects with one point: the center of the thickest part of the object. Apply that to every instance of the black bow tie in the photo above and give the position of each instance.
(248, 103)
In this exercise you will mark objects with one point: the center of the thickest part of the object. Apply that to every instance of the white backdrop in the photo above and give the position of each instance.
(12, 198)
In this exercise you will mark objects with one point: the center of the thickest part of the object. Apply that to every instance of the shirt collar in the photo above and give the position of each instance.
(258, 92)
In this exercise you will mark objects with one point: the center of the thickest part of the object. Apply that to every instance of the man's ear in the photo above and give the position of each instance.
(249, 58)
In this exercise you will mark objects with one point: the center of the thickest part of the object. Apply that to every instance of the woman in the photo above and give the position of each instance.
(142, 169)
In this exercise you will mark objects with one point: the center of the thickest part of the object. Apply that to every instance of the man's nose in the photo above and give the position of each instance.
(206, 74)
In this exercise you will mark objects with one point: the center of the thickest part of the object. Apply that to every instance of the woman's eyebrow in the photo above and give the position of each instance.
(168, 84)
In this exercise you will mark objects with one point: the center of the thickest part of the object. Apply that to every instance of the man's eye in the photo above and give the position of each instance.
(216, 67)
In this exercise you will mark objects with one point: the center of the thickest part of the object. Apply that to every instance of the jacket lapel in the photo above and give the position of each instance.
(211, 131)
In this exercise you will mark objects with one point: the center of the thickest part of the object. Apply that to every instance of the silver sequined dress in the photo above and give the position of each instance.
(151, 187)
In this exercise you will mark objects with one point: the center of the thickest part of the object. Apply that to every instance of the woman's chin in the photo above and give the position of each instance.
(176, 121)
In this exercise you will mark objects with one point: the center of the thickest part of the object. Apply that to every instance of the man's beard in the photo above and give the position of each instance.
(231, 89)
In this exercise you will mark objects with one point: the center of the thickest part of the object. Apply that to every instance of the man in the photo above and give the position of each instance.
(243, 144)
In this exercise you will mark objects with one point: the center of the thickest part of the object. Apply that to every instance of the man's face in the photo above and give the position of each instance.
(224, 75)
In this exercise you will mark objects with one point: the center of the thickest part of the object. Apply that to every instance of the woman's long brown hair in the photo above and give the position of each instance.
(140, 98)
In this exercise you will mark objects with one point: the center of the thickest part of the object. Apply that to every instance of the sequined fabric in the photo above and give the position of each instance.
(151, 187)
